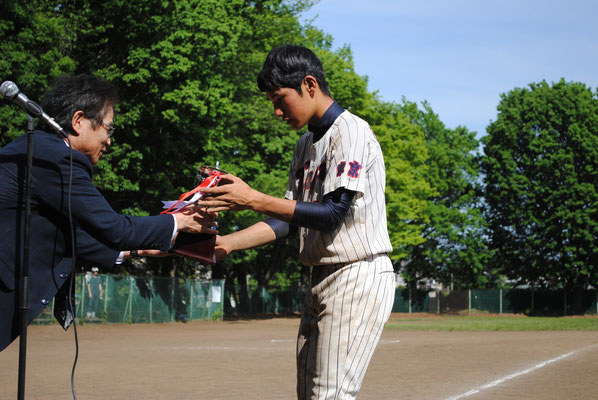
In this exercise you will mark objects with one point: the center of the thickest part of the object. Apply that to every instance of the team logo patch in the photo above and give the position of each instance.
(340, 168)
(354, 168)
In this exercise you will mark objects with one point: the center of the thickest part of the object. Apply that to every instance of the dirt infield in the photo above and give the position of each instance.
(255, 360)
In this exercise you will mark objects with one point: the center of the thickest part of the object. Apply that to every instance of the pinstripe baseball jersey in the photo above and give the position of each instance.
(347, 156)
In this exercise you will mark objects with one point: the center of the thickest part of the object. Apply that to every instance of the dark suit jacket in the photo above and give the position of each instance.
(101, 232)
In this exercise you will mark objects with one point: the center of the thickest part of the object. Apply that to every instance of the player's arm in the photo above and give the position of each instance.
(326, 216)
(235, 194)
(256, 235)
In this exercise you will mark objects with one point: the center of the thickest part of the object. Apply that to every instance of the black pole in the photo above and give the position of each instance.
(24, 278)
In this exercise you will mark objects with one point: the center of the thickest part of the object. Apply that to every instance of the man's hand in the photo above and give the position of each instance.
(231, 194)
(149, 253)
(194, 219)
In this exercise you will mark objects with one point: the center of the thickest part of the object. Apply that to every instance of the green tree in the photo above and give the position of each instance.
(186, 71)
(34, 47)
(541, 172)
(454, 251)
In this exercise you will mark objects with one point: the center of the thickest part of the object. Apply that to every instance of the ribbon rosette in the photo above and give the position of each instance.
(207, 177)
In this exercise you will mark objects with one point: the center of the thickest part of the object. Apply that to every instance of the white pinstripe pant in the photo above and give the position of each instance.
(341, 325)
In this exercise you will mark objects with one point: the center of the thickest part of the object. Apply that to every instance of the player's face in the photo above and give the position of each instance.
(296, 109)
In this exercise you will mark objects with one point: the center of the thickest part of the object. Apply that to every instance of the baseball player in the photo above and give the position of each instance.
(335, 199)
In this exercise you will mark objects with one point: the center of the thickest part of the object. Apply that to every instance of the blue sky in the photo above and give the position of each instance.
(460, 55)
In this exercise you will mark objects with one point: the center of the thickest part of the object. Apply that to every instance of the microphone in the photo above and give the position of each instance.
(10, 91)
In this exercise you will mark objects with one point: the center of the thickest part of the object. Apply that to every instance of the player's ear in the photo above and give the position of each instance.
(311, 84)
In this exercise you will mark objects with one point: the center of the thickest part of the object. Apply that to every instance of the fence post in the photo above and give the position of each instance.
(81, 307)
(106, 297)
(500, 301)
(565, 301)
(437, 302)
(172, 305)
(130, 299)
(191, 285)
(409, 300)
(469, 300)
(151, 319)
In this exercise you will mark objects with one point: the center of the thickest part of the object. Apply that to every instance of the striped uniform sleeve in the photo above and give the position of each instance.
(348, 155)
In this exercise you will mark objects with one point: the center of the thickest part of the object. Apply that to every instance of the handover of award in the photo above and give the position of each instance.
(198, 246)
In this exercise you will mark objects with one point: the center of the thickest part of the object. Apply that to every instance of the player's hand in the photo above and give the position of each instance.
(232, 193)
(194, 219)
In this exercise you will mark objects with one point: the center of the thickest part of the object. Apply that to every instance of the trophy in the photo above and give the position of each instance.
(198, 246)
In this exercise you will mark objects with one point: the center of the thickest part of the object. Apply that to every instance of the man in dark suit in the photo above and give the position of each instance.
(83, 106)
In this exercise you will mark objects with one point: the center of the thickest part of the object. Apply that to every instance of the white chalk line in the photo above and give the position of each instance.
(390, 341)
(293, 341)
(512, 376)
(255, 348)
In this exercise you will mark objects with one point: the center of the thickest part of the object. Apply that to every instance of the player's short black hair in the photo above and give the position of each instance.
(287, 65)
(71, 93)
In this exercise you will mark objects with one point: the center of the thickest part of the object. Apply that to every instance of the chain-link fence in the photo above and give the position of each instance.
(255, 300)
(124, 299)
(515, 301)
(245, 300)
(127, 299)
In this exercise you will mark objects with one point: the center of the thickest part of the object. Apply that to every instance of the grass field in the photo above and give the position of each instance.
(475, 323)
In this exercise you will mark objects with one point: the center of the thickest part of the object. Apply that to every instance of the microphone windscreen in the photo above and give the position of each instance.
(9, 89)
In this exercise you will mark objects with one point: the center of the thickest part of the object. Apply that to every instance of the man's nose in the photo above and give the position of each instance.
(108, 142)
(278, 112)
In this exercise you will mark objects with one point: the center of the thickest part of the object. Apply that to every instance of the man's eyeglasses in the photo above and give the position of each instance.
(109, 128)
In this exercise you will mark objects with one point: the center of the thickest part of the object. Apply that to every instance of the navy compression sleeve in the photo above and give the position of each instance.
(327, 215)
(281, 229)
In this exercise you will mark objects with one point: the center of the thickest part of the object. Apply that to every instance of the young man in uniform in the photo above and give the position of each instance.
(335, 196)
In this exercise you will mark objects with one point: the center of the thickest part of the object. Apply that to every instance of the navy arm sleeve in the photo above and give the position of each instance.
(327, 215)
(281, 229)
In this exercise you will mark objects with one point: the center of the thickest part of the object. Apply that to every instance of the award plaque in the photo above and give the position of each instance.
(197, 246)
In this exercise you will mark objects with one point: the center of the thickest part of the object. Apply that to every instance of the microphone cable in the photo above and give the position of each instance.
(71, 298)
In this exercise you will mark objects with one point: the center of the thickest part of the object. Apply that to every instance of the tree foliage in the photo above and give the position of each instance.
(541, 171)
(186, 71)
(453, 250)
(34, 49)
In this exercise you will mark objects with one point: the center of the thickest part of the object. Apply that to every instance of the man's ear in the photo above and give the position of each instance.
(77, 122)
(311, 84)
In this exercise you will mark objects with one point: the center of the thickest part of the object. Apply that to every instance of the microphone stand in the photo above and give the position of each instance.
(24, 277)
